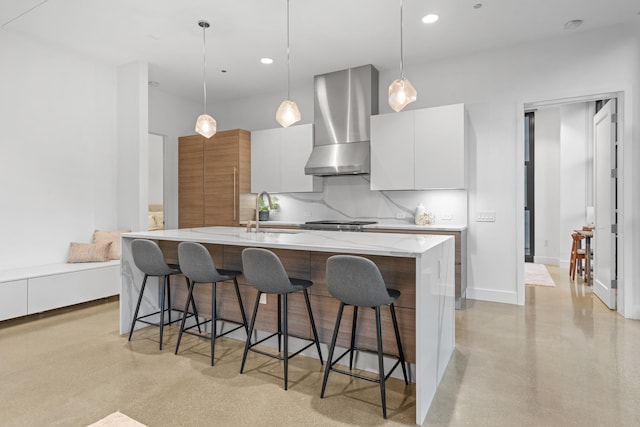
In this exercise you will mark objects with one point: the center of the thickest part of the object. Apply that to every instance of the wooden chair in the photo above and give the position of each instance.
(577, 255)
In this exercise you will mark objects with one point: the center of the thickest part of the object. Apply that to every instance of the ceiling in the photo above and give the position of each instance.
(326, 35)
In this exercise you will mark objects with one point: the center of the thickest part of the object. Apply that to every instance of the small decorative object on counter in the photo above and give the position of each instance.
(423, 217)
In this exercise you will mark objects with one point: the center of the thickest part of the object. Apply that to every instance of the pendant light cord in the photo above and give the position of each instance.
(204, 25)
(288, 60)
(401, 44)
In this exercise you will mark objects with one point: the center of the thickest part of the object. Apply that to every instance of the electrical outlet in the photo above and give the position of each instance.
(263, 299)
(400, 215)
(486, 216)
(308, 214)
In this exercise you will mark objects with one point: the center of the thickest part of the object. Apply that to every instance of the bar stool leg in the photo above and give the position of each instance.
(214, 324)
(162, 304)
(400, 351)
(383, 393)
(169, 307)
(184, 314)
(279, 323)
(242, 313)
(353, 336)
(135, 313)
(253, 322)
(313, 325)
(193, 305)
(332, 347)
(286, 340)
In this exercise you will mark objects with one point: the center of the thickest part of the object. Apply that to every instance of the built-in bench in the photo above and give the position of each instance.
(31, 290)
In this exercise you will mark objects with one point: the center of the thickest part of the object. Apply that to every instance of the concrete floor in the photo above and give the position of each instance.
(561, 360)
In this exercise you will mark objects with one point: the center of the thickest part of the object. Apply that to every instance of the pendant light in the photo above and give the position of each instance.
(401, 91)
(205, 125)
(288, 112)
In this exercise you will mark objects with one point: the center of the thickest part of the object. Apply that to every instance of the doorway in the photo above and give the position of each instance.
(155, 186)
(566, 175)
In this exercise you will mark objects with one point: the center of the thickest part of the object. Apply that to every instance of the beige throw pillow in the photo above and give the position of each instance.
(89, 252)
(100, 236)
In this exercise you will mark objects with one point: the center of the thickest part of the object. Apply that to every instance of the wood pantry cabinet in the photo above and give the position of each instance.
(419, 149)
(214, 179)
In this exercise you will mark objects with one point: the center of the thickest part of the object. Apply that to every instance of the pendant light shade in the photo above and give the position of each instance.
(401, 91)
(288, 112)
(205, 125)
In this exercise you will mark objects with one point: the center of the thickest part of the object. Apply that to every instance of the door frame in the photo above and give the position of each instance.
(524, 106)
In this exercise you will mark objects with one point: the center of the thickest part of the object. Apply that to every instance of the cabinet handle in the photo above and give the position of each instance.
(235, 209)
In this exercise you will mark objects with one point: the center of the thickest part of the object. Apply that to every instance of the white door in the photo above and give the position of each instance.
(604, 240)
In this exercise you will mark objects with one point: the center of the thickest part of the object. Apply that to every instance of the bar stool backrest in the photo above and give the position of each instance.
(148, 257)
(265, 272)
(196, 263)
(356, 281)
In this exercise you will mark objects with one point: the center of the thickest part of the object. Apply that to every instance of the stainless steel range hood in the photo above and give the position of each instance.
(343, 103)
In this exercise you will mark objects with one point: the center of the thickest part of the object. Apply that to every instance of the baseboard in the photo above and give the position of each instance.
(492, 295)
(634, 312)
(545, 260)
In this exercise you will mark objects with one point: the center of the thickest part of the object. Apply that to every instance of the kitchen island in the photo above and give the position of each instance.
(420, 266)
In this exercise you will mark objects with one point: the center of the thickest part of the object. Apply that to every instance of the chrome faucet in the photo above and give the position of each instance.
(263, 193)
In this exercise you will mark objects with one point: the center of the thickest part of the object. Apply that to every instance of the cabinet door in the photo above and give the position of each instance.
(190, 181)
(440, 147)
(295, 149)
(392, 165)
(265, 160)
(221, 192)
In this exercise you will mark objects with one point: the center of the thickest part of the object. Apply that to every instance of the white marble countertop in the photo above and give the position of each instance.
(385, 226)
(391, 244)
(414, 227)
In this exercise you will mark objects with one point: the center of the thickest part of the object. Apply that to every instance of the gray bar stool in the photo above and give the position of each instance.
(265, 272)
(198, 267)
(357, 281)
(148, 257)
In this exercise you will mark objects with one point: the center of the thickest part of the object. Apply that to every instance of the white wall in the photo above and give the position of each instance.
(58, 168)
(576, 155)
(547, 180)
(171, 117)
(563, 165)
(156, 170)
(494, 85)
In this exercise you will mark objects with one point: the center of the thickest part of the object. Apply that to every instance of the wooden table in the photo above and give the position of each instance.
(588, 234)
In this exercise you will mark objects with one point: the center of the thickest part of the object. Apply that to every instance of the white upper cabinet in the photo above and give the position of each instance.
(392, 151)
(278, 157)
(265, 161)
(440, 153)
(419, 149)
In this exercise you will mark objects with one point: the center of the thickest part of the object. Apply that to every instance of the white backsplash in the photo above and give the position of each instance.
(349, 197)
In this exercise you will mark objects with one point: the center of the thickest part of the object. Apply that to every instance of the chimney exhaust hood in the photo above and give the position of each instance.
(343, 104)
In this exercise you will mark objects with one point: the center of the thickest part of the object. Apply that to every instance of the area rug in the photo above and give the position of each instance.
(117, 419)
(537, 275)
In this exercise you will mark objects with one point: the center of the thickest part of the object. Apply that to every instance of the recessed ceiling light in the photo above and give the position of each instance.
(477, 5)
(266, 60)
(430, 18)
(573, 24)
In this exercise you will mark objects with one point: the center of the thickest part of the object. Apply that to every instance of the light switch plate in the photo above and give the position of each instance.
(486, 216)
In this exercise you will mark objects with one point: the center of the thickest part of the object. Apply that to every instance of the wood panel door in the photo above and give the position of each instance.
(190, 181)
